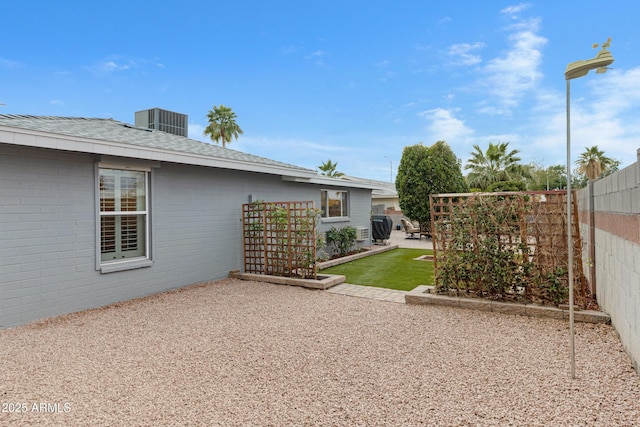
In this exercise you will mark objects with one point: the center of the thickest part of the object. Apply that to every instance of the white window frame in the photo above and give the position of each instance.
(126, 263)
(344, 205)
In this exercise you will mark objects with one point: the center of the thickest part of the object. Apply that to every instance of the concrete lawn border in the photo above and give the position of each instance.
(422, 295)
(324, 281)
(371, 251)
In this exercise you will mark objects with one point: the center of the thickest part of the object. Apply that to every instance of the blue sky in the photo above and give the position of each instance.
(351, 81)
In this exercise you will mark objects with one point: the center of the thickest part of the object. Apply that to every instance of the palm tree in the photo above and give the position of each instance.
(495, 165)
(328, 168)
(222, 125)
(594, 164)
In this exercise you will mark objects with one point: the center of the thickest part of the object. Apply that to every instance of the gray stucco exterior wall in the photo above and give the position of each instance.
(48, 230)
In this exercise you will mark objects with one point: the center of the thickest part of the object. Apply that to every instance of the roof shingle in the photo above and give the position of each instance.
(110, 130)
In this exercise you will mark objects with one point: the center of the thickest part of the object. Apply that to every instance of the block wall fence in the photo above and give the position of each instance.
(609, 211)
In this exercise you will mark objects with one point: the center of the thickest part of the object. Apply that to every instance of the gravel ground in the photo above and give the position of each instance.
(244, 353)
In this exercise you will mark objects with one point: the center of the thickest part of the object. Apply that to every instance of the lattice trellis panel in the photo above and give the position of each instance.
(280, 238)
(525, 231)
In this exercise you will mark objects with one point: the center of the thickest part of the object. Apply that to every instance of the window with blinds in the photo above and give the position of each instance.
(123, 214)
(334, 203)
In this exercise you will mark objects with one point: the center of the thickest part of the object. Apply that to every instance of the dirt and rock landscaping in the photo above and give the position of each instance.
(232, 353)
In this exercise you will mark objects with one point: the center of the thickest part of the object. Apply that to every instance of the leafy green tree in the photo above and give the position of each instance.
(549, 178)
(593, 164)
(495, 165)
(507, 186)
(222, 125)
(424, 171)
(578, 179)
(328, 168)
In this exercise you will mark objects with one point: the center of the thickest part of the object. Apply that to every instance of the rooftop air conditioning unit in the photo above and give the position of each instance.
(164, 120)
(362, 234)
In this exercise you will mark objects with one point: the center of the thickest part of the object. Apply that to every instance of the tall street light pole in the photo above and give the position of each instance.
(574, 70)
(390, 169)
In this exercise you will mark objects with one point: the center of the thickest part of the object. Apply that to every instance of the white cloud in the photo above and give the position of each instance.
(117, 63)
(608, 116)
(618, 90)
(492, 110)
(516, 73)
(443, 125)
(112, 66)
(603, 113)
(462, 53)
(300, 152)
(317, 56)
(514, 10)
(507, 80)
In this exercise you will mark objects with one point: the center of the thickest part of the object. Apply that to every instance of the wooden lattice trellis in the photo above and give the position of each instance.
(517, 241)
(280, 238)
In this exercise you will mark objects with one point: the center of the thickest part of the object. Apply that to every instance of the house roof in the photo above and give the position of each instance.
(381, 189)
(114, 138)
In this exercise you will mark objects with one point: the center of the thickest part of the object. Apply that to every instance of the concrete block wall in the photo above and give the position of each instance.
(612, 206)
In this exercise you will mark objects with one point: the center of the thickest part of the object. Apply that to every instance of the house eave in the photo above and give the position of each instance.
(40, 139)
(330, 182)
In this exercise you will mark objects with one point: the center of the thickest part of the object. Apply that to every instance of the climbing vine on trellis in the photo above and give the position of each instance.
(506, 246)
(280, 238)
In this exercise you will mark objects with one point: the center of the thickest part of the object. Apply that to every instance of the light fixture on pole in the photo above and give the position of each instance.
(390, 169)
(574, 70)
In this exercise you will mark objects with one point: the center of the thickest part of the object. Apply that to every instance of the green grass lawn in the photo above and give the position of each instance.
(395, 269)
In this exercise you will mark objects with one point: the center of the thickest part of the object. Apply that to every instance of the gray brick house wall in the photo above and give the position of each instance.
(48, 228)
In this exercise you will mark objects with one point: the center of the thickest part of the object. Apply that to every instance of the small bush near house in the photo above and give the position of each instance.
(341, 240)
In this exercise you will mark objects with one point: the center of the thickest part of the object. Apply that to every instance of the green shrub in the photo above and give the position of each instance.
(341, 240)
(555, 287)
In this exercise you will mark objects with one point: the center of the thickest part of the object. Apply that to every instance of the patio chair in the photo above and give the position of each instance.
(425, 229)
(410, 229)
